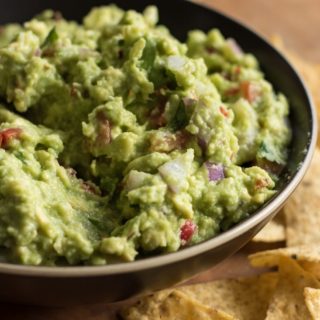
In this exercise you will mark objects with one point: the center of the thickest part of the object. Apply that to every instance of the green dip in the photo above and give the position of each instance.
(117, 141)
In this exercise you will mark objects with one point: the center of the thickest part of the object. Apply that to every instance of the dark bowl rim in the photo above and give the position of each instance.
(169, 258)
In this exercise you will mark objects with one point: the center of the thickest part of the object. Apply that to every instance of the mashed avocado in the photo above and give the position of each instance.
(118, 141)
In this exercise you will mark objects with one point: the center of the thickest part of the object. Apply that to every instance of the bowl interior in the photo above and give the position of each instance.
(278, 71)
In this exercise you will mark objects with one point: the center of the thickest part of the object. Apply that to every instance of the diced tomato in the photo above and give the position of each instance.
(261, 183)
(7, 135)
(224, 111)
(249, 91)
(187, 230)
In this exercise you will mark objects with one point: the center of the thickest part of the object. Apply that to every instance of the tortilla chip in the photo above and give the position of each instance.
(176, 305)
(312, 300)
(274, 231)
(288, 302)
(302, 211)
(245, 299)
(146, 308)
(271, 258)
(309, 71)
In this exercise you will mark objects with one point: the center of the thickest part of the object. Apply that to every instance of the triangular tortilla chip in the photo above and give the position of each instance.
(303, 209)
(245, 299)
(288, 302)
(312, 300)
(176, 305)
(301, 254)
(274, 231)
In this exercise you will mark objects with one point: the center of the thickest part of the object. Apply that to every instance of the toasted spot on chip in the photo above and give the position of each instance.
(245, 299)
(302, 211)
(312, 300)
(176, 305)
(274, 231)
(288, 299)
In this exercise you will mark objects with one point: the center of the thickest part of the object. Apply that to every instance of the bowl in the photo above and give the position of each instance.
(77, 285)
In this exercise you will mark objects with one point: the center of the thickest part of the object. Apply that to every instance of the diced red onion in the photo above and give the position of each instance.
(215, 171)
(174, 173)
(234, 46)
(176, 62)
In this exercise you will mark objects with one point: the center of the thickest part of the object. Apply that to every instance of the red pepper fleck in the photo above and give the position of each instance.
(187, 230)
(224, 111)
(7, 135)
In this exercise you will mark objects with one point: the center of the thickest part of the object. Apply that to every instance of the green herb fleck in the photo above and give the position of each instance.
(51, 38)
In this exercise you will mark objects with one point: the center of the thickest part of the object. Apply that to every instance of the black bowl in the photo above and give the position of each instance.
(76, 285)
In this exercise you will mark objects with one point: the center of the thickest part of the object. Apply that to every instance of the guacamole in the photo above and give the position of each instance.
(118, 141)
